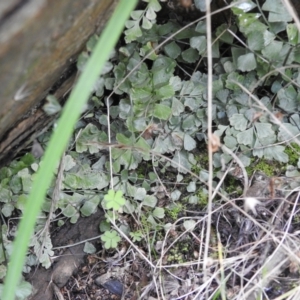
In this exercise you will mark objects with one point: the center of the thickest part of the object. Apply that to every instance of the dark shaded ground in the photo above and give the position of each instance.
(69, 259)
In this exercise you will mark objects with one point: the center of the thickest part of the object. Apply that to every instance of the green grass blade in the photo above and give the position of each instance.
(59, 141)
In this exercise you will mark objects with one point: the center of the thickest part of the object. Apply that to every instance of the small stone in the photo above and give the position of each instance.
(114, 286)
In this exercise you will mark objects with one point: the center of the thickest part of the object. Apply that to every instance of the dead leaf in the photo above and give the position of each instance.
(214, 143)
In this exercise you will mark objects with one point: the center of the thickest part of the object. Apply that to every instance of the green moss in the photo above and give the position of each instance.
(233, 186)
(269, 168)
(173, 211)
(178, 252)
(203, 198)
(201, 158)
(265, 167)
(292, 151)
(196, 168)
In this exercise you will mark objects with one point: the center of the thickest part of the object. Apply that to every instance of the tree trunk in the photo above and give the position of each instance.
(39, 43)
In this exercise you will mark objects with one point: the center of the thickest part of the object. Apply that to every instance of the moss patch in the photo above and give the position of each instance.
(174, 210)
(293, 152)
(269, 168)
